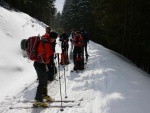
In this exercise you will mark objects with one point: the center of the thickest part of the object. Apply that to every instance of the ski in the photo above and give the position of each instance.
(75, 105)
(51, 106)
(53, 101)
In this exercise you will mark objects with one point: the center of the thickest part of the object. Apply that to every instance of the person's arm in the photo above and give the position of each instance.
(67, 38)
(87, 37)
(60, 38)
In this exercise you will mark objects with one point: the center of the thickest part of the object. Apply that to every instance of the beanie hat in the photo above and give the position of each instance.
(53, 35)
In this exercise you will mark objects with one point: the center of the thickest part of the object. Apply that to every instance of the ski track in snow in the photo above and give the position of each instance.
(82, 81)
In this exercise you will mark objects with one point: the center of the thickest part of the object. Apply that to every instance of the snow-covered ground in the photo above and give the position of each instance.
(109, 84)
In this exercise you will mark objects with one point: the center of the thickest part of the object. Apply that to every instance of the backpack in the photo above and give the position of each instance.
(37, 49)
(23, 44)
(64, 59)
(32, 47)
(79, 64)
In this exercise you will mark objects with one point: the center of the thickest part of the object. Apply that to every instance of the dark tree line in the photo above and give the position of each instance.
(76, 13)
(121, 25)
(43, 10)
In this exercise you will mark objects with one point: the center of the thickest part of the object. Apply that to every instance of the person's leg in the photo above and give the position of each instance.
(74, 54)
(67, 46)
(82, 49)
(62, 55)
(80, 52)
(50, 72)
(86, 53)
(42, 77)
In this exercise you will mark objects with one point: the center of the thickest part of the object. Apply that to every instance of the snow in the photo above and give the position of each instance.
(109, 84)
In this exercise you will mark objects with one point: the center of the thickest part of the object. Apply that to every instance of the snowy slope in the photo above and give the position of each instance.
(15, 72)
(109, 84)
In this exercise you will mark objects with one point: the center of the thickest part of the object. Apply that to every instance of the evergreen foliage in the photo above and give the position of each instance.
(121, 25)
(43, 10)
(76, 14)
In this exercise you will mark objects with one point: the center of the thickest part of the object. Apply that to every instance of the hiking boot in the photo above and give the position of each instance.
(67, 62)
(40, 103)
(48, 98)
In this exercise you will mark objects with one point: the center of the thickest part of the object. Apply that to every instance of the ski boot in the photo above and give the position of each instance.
(40, 104)
(48, 98)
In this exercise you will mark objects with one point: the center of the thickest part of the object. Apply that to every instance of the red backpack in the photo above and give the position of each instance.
(79, 64)
(37, 49)
(32, 47)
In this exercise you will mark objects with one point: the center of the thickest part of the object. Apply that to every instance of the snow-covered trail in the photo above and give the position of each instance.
(109, 84)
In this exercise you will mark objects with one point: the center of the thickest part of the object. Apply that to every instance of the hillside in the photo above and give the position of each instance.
(109, 84)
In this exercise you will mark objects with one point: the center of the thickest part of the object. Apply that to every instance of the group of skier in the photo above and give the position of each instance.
(78, 43)
(42, 51)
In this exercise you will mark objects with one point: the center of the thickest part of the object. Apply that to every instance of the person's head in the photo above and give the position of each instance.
(64, 31)
(78, 33)
(48, 29)
(73, 30)
(81, 28)
(53, 36)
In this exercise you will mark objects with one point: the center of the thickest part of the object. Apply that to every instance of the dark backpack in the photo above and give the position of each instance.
(23, 44)
(79, 64)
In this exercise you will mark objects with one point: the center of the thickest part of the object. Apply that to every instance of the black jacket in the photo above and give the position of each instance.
(64, 39)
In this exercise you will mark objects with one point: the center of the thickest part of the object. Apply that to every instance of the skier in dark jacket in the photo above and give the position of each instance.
(85, 37)
(52, 70)
(42, 92)
(71, 37)
(77, 52)
(64, 38)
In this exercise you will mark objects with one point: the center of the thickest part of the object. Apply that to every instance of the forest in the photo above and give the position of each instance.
(120, 25)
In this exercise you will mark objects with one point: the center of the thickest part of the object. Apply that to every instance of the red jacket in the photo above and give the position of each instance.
(78, 41)
(45, 49)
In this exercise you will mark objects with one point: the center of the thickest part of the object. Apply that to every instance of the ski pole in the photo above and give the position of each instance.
(54, 64)
(65, 83)
(67, 58)
(60, 83)
(55, 67)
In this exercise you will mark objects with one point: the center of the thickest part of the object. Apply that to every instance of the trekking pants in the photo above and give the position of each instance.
(52, 70)
(85, 48)
(42, 77)
(77, 52)
(65, 49)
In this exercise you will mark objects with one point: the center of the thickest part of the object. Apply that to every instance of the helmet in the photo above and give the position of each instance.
(53, 35)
